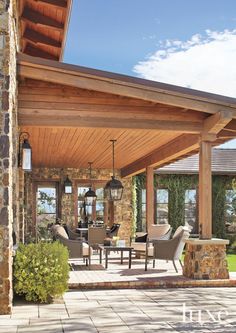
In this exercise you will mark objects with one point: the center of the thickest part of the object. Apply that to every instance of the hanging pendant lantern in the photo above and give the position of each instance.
(90, 196)
(113, 190)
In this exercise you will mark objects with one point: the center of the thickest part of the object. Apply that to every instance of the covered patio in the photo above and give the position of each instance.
(71, 113)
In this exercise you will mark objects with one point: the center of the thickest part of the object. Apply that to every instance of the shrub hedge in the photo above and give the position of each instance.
(41, 271)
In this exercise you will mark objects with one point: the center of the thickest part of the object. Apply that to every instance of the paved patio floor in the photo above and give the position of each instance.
(120, 276)
(128, 310)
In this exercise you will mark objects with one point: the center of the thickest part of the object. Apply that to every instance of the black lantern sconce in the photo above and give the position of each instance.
(114, 189)
(68, 186)
(90, 196)
(25, 152)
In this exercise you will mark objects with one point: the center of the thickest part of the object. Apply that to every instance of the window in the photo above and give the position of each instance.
(230, 211)
(191, 209)
(84, 212)
(143, 216)
(99, 211)
(46, 208)
(162, 197)
(100, 205)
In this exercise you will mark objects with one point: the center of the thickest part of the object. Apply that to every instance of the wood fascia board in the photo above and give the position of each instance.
(66, 27)
(174, 149)
(37, 18)
(84, 78)
(38, 38)
(71, 121)
(215, 123)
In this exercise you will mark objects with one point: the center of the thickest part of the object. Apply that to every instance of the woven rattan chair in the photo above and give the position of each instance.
(77, 248)
(155, 232)
(96, 235)
(169, 249)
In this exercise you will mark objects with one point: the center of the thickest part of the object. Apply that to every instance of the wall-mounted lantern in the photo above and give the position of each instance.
(25, 152)
(67, 186)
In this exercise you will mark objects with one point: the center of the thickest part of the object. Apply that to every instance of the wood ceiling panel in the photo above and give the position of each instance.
(63, 147)
(48, 19)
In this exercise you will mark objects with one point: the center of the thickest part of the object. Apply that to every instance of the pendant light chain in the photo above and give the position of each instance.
(113, 156)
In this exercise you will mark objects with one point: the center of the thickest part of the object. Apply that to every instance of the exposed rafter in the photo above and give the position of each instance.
(215, 123)
(36, 52)
(181, 146)
(37, 38)
(55, 3)
(40, 19)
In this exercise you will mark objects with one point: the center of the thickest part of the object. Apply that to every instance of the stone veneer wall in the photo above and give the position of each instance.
(8, 146)
(122, 209)
(205, 262)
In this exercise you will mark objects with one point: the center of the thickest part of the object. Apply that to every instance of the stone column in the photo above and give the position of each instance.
(206, 259)
(8, 147)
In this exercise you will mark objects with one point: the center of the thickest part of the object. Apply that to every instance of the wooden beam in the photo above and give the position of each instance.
(176, 148)
(149, 197)
(225, 134)
(37, 52)
(71, 118)
(62, 4)
(38, 38)
(37, 18)
(90, 104)
(205, 191)
(215, 123)
(85, 78)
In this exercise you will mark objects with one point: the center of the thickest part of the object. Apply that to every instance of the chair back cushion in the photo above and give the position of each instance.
(96, 235)
(156, 231)
(182, 233)
(59, 230)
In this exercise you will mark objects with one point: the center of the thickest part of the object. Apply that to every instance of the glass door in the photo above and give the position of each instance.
(46, 208)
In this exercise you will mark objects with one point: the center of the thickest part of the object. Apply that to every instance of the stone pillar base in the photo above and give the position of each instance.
(206, 259)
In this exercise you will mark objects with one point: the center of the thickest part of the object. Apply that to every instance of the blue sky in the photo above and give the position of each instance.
(188, 43)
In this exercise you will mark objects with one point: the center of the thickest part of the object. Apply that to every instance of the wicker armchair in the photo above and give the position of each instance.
(96, 235)
(144, 241)
(77, 248)
(169, 249)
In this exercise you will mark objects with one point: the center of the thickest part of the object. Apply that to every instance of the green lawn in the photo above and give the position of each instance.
(231, 262)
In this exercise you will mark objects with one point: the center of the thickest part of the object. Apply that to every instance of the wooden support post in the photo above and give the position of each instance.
(205, 191)
(149, 197)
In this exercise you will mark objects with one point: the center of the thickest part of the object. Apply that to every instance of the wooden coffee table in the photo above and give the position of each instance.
(108, 249)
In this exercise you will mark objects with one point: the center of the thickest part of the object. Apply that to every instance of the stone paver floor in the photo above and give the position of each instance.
(85, 277)
(129, 310)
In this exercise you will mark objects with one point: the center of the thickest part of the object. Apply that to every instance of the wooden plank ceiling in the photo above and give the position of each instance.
(71, 146)
(43, 26)
(72, 113)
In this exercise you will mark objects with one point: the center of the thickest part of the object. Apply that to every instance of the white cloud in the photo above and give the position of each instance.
(205, 63)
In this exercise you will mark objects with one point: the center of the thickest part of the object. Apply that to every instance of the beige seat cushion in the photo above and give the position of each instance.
(141, 247)
(85, 249)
